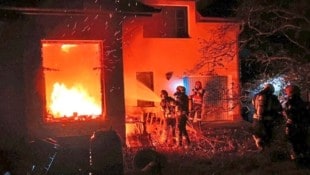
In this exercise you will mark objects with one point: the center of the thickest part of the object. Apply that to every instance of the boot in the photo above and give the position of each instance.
(258, 143)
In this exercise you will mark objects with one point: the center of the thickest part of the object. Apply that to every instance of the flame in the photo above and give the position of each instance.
(66, 47)
(75, 101)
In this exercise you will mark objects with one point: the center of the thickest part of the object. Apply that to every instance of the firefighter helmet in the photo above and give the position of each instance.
(163, 93)
(292, 90)
(198, 84)
(181, 89)
(269, 87)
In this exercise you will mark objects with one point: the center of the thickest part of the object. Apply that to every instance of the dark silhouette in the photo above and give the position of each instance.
(297, 122)
(167, 104)
(182, 112)
(267, 109)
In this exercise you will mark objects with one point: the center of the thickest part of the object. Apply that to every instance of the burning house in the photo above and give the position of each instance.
(68, 69)
(178, 46)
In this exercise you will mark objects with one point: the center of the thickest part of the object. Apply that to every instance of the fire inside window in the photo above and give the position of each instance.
(72, 74)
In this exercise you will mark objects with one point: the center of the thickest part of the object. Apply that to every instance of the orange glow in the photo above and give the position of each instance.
(144, 93)
(67, 47)
(141, 92)
(71, 102)
(72, 79)
(133, 131)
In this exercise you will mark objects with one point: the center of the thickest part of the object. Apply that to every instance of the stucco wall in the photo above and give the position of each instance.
(182, 56)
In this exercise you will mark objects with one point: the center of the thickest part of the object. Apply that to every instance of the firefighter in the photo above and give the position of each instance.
(168, 107)
(196, 102)
(267, 109)
(297, 122)
(182, 113)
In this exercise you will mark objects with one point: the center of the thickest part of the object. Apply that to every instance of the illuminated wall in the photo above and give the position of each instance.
(107, 88)
(209, 49)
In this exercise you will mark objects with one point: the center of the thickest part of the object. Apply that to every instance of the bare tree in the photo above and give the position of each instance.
(215, 52)
(274, 40)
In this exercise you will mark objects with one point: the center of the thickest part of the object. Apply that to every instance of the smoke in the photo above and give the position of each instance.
(142, 92)
(278, 82)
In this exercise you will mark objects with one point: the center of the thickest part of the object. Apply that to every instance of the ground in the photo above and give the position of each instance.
(219, 149)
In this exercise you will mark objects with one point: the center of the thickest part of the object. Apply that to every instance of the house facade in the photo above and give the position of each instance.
(178, 46)
(58, 60)
(70, 69)
(116, 55)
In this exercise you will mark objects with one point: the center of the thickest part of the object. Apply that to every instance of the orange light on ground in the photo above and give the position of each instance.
(72, 79)
(133, 131)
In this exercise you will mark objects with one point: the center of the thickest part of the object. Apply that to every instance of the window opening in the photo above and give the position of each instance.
(171, 22)
(146, 78)
(72, 78)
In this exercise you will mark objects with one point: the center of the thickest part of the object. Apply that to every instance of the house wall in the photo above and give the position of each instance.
(79, 27)
(22, 80)
(12, 118)
(182, 56)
